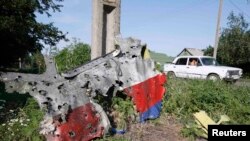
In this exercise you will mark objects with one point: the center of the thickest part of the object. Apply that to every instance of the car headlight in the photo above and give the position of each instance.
(227, 73)
(241, 72)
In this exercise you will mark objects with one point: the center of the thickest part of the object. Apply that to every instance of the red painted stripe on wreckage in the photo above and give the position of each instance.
(147, 93)
(83, 124)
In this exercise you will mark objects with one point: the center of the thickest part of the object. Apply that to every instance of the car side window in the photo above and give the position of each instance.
(193, 61)
(181, 61)
(199, 63)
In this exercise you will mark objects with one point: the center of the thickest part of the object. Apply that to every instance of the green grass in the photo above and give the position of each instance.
(185, 97)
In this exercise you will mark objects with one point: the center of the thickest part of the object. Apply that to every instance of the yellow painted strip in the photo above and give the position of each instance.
(146, 54)
(204, 119)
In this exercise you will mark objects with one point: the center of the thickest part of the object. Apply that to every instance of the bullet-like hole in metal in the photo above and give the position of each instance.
(93, 131)
(120, 83)
(72, 134)
(60, 120)
(134, 56)
(85, 115)
(49, 99)
(59, 107)
(89, 125)
(42, 92)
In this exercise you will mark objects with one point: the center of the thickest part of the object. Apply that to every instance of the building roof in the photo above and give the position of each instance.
(192, 52)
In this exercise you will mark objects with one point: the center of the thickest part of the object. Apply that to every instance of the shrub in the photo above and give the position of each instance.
(72, 56)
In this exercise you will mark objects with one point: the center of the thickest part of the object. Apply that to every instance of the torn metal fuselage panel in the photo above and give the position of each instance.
(71, 113)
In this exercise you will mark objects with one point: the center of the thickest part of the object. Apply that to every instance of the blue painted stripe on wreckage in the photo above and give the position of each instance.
(152, 113)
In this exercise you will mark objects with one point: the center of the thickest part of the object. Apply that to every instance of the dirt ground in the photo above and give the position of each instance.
(170, 131)
(243, 82)
(164, 129)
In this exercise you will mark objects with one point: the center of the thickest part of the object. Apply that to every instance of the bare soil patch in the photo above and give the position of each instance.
(164, 129)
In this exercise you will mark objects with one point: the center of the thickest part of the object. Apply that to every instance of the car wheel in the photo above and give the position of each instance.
(213, 77)
(171, 75)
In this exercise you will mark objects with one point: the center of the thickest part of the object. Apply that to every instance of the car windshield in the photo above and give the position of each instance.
(209, 62)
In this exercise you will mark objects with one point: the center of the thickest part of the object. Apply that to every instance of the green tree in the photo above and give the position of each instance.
(234, 45)
(208, 51)
(20, 32)
(76, 54)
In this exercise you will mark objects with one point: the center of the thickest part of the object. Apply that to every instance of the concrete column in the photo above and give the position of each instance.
(105, 26)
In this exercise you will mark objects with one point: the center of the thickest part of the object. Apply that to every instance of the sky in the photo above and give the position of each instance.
(166, 26)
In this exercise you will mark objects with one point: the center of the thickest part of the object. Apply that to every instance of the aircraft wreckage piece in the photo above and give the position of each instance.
(71, 113)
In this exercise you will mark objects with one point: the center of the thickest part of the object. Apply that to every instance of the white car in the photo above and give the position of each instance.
(201, 67)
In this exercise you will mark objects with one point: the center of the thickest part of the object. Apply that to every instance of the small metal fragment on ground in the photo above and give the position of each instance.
(203, 120)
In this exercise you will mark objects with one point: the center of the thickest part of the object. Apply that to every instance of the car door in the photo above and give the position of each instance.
(194, 68)
(180, 67)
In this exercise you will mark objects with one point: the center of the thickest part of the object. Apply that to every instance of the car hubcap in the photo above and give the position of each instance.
(214, 78)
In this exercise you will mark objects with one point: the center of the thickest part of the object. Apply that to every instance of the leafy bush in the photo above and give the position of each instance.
(120, 110)
(183, 98)
(123, 112)
(72, 56)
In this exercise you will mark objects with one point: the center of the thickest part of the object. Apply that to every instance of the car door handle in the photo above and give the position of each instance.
(187, 67)
(174, 66)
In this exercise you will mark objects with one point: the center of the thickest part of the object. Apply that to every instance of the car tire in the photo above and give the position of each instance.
(171, 75)
(213, 77)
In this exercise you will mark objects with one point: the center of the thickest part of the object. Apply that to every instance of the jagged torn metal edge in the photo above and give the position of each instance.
(67, 99)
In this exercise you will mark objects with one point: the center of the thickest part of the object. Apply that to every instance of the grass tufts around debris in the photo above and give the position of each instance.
(185, 97)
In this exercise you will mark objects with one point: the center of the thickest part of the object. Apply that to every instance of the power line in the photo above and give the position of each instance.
(237, 7)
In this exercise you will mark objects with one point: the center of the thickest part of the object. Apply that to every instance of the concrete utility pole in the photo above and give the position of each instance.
(217, 36)
(105, 26)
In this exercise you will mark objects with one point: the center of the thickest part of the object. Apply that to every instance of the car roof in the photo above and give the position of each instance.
(194, 56)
